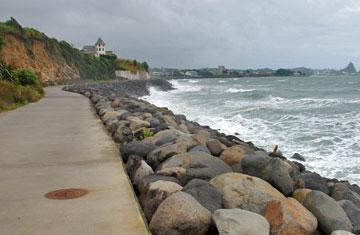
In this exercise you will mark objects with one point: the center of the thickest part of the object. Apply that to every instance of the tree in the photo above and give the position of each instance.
(284, 72)
(145, 66)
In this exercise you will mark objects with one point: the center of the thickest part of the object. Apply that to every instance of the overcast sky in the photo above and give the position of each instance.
(204, 33)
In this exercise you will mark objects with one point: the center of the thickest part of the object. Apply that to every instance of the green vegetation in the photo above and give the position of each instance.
(18, 87)
(131, 65)
(146, 133)
(1, 42)
(284, 72)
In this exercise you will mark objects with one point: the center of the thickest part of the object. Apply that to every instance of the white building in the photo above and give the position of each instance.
(100, 47)
(97, 50)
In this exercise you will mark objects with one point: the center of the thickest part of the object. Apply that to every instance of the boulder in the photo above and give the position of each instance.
(163, 137)
(177, 172)
(215, 147)
(155, 194)
(353, 212)
(142, 170)
(315, 181)
(288, 216)
(137, 123)
(298, 157)
(300, 194)
(240, 222)
(198, 165)
(181, 214)
(202, 136)
(329, 214)
(145, 181)
(279, 174)
(164, 152)
(200, 148)
(341, 191)
(253, 164)
(274, 170)
(234, 154)
(341, 232)
(123, 134)
(204, 193)
(131, 166)
(245, 192)
(138, 148)
(154, 122)
(170, 120)
(116, 103)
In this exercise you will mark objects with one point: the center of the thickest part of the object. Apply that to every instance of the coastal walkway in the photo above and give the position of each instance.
(58, 143)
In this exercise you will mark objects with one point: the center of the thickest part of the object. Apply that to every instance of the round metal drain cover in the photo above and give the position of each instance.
(67, 193)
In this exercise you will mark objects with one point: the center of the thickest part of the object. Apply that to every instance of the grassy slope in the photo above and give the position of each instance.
(13, 95)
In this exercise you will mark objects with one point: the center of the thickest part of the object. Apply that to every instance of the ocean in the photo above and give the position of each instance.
(318, 117)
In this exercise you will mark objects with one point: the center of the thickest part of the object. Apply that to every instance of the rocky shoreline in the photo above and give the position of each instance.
(191, 179)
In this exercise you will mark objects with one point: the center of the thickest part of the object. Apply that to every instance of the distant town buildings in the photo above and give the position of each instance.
(97, 49)
(221, 71)
(191, 73)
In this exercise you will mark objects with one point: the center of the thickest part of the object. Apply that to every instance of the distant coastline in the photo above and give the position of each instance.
(222, 72)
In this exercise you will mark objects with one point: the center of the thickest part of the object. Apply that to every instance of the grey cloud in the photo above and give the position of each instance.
(201, 33)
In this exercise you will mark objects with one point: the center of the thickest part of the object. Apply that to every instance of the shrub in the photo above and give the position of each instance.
(1, 42)
(13, 95)
(27, 77)
(148, 133)
(7, 73)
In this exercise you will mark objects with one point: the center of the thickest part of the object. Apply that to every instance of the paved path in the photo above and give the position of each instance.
(59, 143)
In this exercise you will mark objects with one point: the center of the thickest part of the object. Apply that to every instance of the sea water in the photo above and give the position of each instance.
(318, 117)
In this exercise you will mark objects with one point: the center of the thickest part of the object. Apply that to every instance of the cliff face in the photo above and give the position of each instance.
(53, 61)
(48, 68)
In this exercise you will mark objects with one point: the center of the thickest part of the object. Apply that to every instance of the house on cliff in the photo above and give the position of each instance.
(97, 49)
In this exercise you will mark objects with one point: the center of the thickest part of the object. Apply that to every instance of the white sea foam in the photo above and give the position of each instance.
(329, 140)
(193, 81)
(238, 90)
(222, 81)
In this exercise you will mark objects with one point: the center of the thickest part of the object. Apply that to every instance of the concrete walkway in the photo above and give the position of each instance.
(59, 143)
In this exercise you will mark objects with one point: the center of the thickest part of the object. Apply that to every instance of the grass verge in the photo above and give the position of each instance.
(13, 96)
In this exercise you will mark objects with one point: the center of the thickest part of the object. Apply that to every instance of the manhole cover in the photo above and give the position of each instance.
(67, 193)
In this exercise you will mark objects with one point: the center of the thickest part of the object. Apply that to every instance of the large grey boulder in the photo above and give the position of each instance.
(276, 171)
(341, 191)
(353, 212)
(198, 165)
(138, 148)
(329, 214)
(240, 222)
(315, 181)
(163, 137)
(204, 193)
(180, 214)
(200, 148)
(181, 145)
(245, 192)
